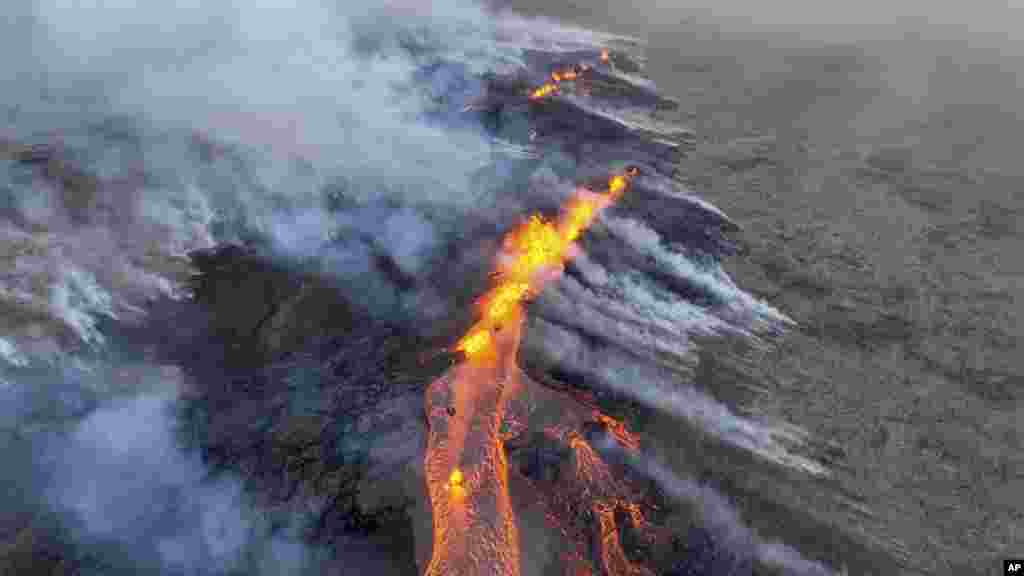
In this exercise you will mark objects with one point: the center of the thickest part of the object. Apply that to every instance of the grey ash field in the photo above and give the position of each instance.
(890, 230)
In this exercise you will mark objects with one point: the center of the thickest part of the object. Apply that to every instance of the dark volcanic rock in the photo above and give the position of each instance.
(293, 388)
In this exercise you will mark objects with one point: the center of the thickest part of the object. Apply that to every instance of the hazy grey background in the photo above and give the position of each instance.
(927, 61)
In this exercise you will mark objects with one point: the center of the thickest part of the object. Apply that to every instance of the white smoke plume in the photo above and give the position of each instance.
(708, 277)
(660, 388)
(720, 518)
(193, 123)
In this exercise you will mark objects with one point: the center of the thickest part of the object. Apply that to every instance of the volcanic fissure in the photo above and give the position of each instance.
(475, 531)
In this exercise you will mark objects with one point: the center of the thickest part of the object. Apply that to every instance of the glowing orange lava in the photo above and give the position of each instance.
(533, 252)
(607, 497)
(618, 430)
(546, 89)
(595, 487)
(467, 475)
(557, 77)
(612, 555)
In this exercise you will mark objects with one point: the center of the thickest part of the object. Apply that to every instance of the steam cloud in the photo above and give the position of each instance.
(124, 497)
(196, 123)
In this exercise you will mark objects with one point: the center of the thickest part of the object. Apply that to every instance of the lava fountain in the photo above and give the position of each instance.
(466, 470)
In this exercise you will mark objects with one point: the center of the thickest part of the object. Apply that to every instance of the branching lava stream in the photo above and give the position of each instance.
(466, 471)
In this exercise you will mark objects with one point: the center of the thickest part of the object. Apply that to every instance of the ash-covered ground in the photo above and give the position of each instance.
(240, 241)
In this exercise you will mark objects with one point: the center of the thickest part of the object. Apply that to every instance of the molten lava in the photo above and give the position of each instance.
(476, 343)
(467, 475)
(557, 77)
(533, 252)
(546, 89)
(597, 488)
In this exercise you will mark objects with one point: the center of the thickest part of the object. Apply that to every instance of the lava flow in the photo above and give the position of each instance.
(594, 487)
(466, 471)
(596, 476)
(573, 73)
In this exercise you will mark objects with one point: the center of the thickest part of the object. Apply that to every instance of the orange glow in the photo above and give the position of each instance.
(594, 486)
(576, 565)
(618, 431)
(591, 472)
(617, 184)
(612, 555)
(544, 90)
(557, 77)
(604, 55)
(529, 252)
(579, 214)
(500, 305)
(466, 470)
(636, 516)
(474, 528)
(533, 246)
(477, 344)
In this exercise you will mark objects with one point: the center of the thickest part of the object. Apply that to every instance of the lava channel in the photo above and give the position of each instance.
(466, 471)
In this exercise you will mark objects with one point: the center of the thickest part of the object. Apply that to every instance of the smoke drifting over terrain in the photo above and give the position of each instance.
(197, 123)
(329, 137)
(729, 545)
(134, 134)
